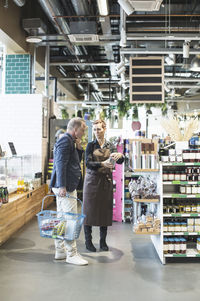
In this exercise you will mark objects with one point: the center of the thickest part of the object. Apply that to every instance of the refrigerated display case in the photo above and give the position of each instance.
(12, 169)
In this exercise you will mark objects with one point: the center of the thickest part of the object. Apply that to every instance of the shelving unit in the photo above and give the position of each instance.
(169, 189)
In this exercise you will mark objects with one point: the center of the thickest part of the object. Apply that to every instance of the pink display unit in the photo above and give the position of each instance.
(117, 195)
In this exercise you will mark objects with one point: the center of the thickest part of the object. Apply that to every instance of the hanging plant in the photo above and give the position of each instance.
(65, 114)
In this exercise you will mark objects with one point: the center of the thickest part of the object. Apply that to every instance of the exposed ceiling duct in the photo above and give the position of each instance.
(19, 2)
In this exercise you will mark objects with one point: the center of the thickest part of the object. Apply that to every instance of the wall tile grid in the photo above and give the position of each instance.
(18, 71)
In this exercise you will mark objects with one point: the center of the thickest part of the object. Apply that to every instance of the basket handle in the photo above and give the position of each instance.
(67, 195)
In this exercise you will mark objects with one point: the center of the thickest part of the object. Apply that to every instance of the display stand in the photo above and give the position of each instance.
(117, 195)
(19, 210)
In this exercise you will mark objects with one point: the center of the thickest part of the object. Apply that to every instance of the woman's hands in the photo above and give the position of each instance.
(107, 164)
(116, 156)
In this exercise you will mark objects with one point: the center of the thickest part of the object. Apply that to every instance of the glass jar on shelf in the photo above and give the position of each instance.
(171, 176)
(183, 176)
(165, 246)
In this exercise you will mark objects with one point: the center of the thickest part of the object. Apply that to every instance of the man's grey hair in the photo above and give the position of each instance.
(75, 122)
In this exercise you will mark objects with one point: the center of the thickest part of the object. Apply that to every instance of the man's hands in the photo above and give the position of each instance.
(116, 156)
(62, 192)
(78, 144)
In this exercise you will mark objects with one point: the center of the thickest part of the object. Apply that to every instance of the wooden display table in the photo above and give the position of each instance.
(20, 209)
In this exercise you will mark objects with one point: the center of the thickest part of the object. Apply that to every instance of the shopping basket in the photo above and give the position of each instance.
(60, 225)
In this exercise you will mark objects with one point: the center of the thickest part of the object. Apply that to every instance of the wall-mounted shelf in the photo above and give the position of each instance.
(189, 253)
(181, 196)
(180, 233)
(181, 183)
(181, 215)
(181, 164)
(146, 200)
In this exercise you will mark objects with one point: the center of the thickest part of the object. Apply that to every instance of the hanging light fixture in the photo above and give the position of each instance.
(195, 64)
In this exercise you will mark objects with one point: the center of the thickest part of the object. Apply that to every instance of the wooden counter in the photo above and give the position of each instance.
(20, 209)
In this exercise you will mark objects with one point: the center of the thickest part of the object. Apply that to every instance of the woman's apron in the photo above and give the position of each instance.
(98, 192)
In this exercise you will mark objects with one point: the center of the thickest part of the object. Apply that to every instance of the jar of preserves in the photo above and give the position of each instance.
(171, 227)
(165, 227)
(188, 189)
(187, 208)
(186, 155)
(183, 246)
(178, 227)
(194, 189)
(182, 189)
(165, 176)
(189, 177)
(184, 227)
(192, 155)
(171, 245)
(171, 176)
(177, 246)
(179, 158)
(197, 155)
(165, 246)
(177, 176)
(183, 176)
(194, 208)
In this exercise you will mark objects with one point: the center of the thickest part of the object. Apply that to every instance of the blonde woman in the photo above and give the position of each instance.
(98, 185)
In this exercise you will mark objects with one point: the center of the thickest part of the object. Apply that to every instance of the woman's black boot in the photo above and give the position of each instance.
(103, 234)
(88, 238)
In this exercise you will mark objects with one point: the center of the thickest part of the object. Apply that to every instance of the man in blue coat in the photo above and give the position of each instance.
(64, 180)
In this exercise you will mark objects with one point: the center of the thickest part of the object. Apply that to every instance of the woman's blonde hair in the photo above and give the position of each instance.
(100, 121)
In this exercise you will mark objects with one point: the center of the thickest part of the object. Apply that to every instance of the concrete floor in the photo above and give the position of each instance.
(131, 270)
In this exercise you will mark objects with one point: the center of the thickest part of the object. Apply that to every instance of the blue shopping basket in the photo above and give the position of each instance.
(60, 225)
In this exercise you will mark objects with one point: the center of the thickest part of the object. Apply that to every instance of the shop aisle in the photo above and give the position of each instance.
(130, 271)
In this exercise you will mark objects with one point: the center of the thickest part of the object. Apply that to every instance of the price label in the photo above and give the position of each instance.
(178, 163)
(179, 255)
(197, 163)
(197, 255)
(176, 182)
(194, 214)
(197, 195)
(185, 233)
(176, 214)
(181, 196)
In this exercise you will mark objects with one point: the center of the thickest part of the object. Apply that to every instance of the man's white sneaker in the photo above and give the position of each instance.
(76, 259)
(59, 255)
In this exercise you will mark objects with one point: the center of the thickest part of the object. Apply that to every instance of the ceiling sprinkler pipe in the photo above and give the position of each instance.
(19, 2)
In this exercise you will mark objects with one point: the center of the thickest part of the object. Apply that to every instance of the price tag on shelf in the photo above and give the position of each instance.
(185, 233)
(178, 163)
(194, 214)
(176, 182)
(176, 214)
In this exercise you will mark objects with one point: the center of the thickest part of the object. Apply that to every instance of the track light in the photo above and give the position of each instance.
(195, 64)
(126, 6)
(170, 59)
(186, 49)
(33, 39)
(103, 7)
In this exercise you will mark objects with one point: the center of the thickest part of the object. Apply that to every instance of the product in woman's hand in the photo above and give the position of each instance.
(112, 161)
